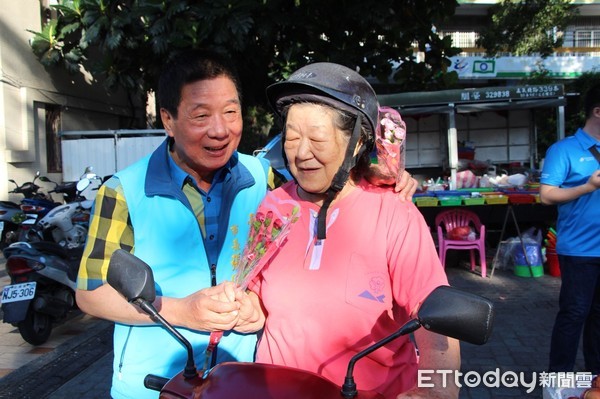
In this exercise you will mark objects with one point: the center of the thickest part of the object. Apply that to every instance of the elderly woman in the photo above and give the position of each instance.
(358, 261)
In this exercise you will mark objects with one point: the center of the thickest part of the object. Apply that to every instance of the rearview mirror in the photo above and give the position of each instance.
(131, 277)
(83, 184)
(457, 314)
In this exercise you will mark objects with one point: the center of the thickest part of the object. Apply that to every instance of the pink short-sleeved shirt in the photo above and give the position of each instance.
(327, 301)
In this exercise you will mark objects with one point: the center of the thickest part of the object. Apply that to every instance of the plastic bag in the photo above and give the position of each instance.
(533, 251)
(532, 241)
(510, 251)
(388, 156)
(463, 233)
(466, 179)
(504, 258)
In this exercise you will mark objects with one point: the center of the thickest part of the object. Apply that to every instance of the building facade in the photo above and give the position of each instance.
(492, 119)
(579, 53)
(36, 103)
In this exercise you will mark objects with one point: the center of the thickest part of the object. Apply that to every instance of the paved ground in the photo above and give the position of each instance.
(77, 344)
(525, 309)
(76, 363)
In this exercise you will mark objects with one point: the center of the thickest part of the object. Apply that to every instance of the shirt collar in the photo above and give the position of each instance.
(166, 177)
(585, 139)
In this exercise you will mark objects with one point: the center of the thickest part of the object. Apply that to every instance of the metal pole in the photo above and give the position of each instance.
(560, 117)
(452, 147)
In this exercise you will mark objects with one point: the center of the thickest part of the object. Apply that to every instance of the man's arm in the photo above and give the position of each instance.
(198, 311)
(552, 195)
(109, 230)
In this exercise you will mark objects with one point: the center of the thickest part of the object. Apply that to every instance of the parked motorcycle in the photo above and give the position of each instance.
(446, 311)
(66, 224)
(11, 217)
(42, 287)
(14, 216)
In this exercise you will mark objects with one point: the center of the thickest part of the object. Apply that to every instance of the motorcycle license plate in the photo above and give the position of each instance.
(18, 292)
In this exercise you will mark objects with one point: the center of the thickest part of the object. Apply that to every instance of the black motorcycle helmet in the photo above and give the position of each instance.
(342, 88)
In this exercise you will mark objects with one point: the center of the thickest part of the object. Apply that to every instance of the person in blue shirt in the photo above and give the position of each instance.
(571, 179)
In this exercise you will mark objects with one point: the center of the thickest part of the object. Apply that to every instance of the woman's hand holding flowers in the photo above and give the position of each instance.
(251, 317)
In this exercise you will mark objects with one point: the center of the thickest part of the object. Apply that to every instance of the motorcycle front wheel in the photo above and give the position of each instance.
(35, 328)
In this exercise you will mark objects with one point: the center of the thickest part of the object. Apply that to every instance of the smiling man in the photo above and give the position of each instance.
(183, 209)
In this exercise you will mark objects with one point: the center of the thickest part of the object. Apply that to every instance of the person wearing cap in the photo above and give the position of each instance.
(571, 180)
(357, 263)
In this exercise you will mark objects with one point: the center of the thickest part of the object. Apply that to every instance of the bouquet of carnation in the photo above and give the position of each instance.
(388, 160)
(268, 231)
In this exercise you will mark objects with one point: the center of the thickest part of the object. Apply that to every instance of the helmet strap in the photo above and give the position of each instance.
(340, 178)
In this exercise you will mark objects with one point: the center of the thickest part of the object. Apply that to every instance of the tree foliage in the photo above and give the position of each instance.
(124, 42)
(526, 27)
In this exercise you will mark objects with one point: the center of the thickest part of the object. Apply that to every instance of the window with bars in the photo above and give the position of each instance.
(462, 39)
(587, 38)
(572, 38)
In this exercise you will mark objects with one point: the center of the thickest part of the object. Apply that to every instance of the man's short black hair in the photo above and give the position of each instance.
(191, 66)
(591, 100)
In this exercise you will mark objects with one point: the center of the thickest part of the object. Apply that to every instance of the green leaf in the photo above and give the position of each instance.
(50, 58)
(72, 67)
(70, 28)
(113, 40)
(74, 56)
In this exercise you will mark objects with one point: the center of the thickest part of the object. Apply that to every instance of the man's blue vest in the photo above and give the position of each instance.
(168, 238)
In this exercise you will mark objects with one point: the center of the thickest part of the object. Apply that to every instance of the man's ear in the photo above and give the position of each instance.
(167, 121)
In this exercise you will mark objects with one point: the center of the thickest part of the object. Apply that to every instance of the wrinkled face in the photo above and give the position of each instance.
(208, 126)
(314, 146)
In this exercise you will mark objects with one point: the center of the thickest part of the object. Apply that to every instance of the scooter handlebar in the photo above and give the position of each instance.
(155, 382)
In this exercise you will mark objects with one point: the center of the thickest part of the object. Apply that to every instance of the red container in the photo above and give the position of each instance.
(553, 265)
(520, 198)
(466, 153)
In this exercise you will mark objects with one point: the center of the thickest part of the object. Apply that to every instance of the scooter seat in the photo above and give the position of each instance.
(40, 251)
(9, 204)
(58, 250)
(51, 247)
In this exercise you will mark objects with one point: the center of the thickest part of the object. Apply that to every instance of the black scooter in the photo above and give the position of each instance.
(13, 215)
(42, 287)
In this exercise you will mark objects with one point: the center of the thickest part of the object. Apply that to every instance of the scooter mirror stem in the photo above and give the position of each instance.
(349, 388)
(190, 370)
